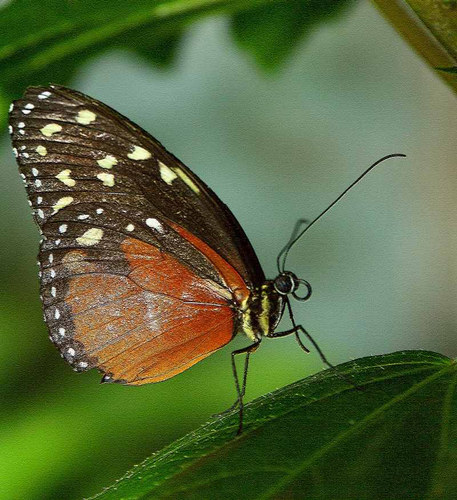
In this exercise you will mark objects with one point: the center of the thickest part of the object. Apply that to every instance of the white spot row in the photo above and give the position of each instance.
(28, 108)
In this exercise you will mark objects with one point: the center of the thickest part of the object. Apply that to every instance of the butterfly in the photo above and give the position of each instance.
(144, 271)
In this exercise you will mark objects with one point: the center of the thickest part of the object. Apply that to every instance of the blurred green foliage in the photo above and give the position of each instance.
(42, 42)
(274, 148)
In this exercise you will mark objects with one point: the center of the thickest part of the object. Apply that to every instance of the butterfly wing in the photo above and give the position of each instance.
(143, 268)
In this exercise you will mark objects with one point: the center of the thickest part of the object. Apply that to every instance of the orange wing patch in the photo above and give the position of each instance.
(155, 322)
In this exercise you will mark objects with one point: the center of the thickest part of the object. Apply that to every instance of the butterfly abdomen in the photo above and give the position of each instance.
(261, 312)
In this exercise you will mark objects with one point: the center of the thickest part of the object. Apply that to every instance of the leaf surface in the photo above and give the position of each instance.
(392, 435)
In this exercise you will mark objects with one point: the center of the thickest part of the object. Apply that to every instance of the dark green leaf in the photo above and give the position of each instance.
(271, 32)
(46, 41)
(322, 438)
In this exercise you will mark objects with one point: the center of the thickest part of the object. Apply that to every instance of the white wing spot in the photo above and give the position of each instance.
(40, 213)
(39, 200)
(64, 177)
(53, 273)
(41, 150)
(21, 125)
(51, 258)
(38, 183)
(139, 153)
(16, 154)
(91, 237)
(83, 364)
(108, 162)
(62, 203)
(166, 173)
(85, 117)
(57, 314)
(22, 132)
(57, 242)
(63, 228)
(187, 180)
(83, 216)
(62, 332)
(25, 155)
(50, 128)
(11, 107)
(53, 291)
(107, 179)
(154, 223)
(26, 111)
(44, 95)
(10, 129)
(35, 171)
(29, 106)
(130, 227)
(99, 210)
(71, 351)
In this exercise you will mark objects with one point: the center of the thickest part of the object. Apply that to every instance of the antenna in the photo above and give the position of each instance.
(285, 251)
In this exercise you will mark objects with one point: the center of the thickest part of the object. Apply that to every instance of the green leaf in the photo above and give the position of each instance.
(430, 27)
(47, 41)
(271, 32)
(393, 435)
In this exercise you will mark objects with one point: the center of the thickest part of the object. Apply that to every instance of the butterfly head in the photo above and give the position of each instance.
(287, 283)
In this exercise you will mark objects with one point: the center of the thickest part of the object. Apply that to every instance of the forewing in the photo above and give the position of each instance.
(96, 182)
(119, 154)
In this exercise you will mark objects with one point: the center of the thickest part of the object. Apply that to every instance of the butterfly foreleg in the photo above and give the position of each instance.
(295, 330)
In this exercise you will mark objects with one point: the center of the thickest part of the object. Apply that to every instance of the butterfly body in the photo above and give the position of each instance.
(143, 270)
(263, 311)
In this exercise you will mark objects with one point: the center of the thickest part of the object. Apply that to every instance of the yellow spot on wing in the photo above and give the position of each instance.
(62, 202)
(64, 177)
(108, 162)
(166, 173)
(91, 237)
(50, 128)
(107, 179)
(139, 153)
(41, 150)
(85, 117)
(187, 180)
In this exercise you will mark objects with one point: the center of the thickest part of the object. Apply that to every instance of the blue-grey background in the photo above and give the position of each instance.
(275, 148)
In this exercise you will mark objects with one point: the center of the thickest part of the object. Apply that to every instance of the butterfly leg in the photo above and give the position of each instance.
(241, 391)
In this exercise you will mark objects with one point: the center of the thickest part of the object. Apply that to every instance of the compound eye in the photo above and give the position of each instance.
(284, 284)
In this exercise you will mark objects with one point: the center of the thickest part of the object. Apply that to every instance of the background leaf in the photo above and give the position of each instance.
(271, 32)
(42, 42)
(321, 438)
(430, 28)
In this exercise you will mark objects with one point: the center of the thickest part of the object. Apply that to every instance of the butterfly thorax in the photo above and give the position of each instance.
(261, 311)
